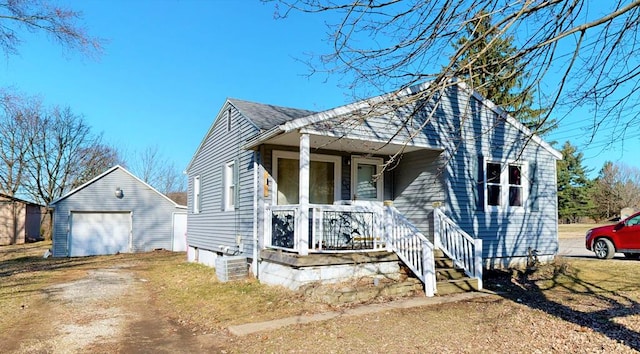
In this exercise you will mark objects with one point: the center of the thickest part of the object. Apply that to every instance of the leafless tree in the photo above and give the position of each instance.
(61, 23)
(62, 155)
(617, 186)
(14, 139)
(94, 159)
(159, 172)
(578, 52)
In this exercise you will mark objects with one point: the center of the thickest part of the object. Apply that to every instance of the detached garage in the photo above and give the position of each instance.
(116, 212)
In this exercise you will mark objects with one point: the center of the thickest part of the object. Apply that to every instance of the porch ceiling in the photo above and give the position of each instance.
(344, 144)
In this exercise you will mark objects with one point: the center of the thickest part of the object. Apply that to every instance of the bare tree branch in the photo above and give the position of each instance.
(577, 53)
(60, 23)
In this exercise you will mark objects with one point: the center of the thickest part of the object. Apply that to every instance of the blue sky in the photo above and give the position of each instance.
(168, 66)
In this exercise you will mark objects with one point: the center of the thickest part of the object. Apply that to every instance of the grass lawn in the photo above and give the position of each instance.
(572, 305)
(575, 230)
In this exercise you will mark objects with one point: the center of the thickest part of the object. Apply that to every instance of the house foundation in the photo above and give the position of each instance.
(293, 272)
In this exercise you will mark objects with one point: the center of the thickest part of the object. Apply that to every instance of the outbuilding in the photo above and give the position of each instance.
(116, 212)
(19, 220)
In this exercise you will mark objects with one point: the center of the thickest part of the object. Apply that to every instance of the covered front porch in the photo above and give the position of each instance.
(328, 195)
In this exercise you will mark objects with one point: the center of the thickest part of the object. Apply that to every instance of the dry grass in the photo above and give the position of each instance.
(192, 291)
(200, 300)
(575, 230)
(588, 304)
(569, 306)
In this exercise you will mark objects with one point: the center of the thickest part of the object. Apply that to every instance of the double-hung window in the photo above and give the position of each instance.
(505, 186)
(196, 194)
(230, 184)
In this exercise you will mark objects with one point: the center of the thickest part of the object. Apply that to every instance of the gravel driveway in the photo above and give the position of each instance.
(108, 311)
(573, 247)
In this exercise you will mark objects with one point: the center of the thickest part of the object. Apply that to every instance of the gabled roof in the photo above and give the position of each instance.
(266, 116)
(314, 118)
(116, 167)
(262, 116)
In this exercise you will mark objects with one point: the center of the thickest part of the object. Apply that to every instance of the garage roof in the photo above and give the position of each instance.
(116, 167)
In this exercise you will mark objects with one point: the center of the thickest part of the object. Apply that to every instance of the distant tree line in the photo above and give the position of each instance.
(46, 152)
(616, 186)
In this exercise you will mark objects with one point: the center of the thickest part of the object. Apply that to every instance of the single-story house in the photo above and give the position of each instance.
(116, 212)
(309, 196)
(19, 220)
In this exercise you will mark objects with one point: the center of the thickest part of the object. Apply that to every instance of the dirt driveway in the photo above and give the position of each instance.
(108, 310)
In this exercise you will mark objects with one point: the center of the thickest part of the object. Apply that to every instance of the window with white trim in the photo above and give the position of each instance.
(230, 187)
(505, 185)
(324, 178)
(366, 183)
(196, 194)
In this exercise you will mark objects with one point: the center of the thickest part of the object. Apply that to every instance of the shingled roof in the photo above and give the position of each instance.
(266, 116)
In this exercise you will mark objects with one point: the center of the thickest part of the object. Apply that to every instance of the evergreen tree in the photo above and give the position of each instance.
(497, 74)
(574, 199)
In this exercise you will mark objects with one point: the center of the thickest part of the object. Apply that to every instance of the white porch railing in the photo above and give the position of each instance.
(332, 228)
(464, 250)
(349, 228)
(412, 247)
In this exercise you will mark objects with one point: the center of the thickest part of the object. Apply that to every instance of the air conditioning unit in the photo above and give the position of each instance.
(231, 268)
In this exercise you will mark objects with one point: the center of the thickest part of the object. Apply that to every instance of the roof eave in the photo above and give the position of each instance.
(259, 139)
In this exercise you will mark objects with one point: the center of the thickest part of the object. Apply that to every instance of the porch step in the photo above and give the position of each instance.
(446, 274)
(451, 279)
(457, 286)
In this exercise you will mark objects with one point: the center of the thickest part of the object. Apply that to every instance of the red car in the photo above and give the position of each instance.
(623, 237)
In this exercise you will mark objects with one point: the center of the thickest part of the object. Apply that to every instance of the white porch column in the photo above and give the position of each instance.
(303, 197)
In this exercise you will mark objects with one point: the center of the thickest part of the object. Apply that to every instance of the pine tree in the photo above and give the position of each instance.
(496, 74)
(574, 200)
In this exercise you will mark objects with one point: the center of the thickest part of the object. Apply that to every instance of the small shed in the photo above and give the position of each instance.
(19, 220)
(116, 212)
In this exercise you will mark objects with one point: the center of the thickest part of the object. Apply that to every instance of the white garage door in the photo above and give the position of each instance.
(99, 233)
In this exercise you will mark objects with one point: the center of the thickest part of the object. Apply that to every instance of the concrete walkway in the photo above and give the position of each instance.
(249, 328)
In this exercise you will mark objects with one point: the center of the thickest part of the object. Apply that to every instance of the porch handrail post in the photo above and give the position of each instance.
(302, 232)
(478, 261)
(388, 228)
(436, 228)
(428, 269)
(267, 226)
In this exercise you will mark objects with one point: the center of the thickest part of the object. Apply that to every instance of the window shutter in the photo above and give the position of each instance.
(534, 203)
(236, 182)
(478, 189)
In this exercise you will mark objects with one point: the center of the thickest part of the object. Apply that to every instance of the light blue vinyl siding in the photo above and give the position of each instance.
(214, 227)
(466, 131)
(418, 184)
(152, 213)
(454, 141)
(509, 232)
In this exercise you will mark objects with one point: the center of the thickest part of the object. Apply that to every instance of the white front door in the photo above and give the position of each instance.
(365, 182)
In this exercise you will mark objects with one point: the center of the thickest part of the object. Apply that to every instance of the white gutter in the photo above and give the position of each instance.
(252, 143)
